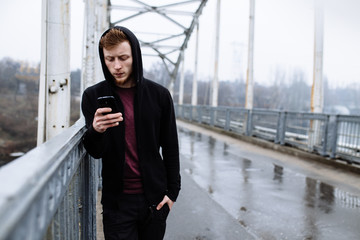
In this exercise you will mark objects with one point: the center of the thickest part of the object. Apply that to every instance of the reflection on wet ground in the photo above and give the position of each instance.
(269, 199)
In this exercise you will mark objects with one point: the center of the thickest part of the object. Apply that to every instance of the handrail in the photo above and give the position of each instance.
(50, 192)
(334, 136)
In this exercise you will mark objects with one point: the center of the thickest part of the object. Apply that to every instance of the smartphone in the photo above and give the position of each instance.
(107, 101)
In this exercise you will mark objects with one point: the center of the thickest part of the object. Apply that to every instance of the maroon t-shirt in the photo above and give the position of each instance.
(132, 175)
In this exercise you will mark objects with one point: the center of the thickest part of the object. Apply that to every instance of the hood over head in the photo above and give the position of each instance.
(137, 67)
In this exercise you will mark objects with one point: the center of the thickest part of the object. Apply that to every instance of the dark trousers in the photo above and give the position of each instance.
(134, 220)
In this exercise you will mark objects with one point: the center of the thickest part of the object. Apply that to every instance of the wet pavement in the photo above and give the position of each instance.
(248, 192)
(196, 216)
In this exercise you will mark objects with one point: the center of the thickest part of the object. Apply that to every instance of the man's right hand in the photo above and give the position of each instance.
(102, 122)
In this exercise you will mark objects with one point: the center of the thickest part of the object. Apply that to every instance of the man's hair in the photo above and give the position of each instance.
(113, 38)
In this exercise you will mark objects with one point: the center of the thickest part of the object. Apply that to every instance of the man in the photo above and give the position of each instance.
(140, 185)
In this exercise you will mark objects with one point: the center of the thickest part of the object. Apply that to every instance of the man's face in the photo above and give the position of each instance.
(119, 62)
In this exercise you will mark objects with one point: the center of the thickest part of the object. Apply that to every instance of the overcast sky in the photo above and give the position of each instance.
(284, 38)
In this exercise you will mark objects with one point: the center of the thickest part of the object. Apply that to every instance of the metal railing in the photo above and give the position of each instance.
(50, 193)
(347, 130)
(334, 136)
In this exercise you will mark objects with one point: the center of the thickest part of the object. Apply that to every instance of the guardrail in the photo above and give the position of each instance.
(50, 192)
(334, 136)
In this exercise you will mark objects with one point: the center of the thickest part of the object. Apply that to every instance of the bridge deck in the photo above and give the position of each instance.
(235, 190)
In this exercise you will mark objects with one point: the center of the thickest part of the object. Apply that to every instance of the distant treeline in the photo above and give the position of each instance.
(290, 94)
(19, 89)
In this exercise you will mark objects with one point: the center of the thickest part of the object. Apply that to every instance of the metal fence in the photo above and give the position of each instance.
(334, 136)
(50, 193)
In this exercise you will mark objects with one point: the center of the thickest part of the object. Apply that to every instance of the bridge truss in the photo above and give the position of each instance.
(163, 30)
(162, 27)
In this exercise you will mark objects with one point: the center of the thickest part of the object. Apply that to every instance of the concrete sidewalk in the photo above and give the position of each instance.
(195, 216)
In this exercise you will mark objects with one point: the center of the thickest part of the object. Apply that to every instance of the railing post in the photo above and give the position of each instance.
(89, 201)
(333, 136)
(176, 109)
(191, 113)
(182, 111)
(227, 120)
(200, 114)
(325, 136)
(212, 116)
(249, 122)
(281, 128)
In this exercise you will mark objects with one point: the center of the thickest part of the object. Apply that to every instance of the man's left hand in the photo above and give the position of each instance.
(166, 200)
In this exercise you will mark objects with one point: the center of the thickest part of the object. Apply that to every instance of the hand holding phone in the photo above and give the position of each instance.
(107, 101)
(104, 120)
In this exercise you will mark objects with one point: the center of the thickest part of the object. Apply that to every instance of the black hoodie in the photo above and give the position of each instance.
(155, 128)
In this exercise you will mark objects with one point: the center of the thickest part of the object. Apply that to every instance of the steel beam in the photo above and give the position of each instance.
(194, 95)
(249, 76)
(317, 99)
(96, 22)
(103, 23)
(54, 89)
(182, 77)
(215, 82)
(172, 66)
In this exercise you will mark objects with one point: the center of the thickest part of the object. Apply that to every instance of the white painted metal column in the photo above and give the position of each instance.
(249, 76)
(215, 82)
(54, 87)
(317, 100)
(194, 96)
(89, 51)
(171, 84)
(95, 23)
(103, 23)
(182, 76)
